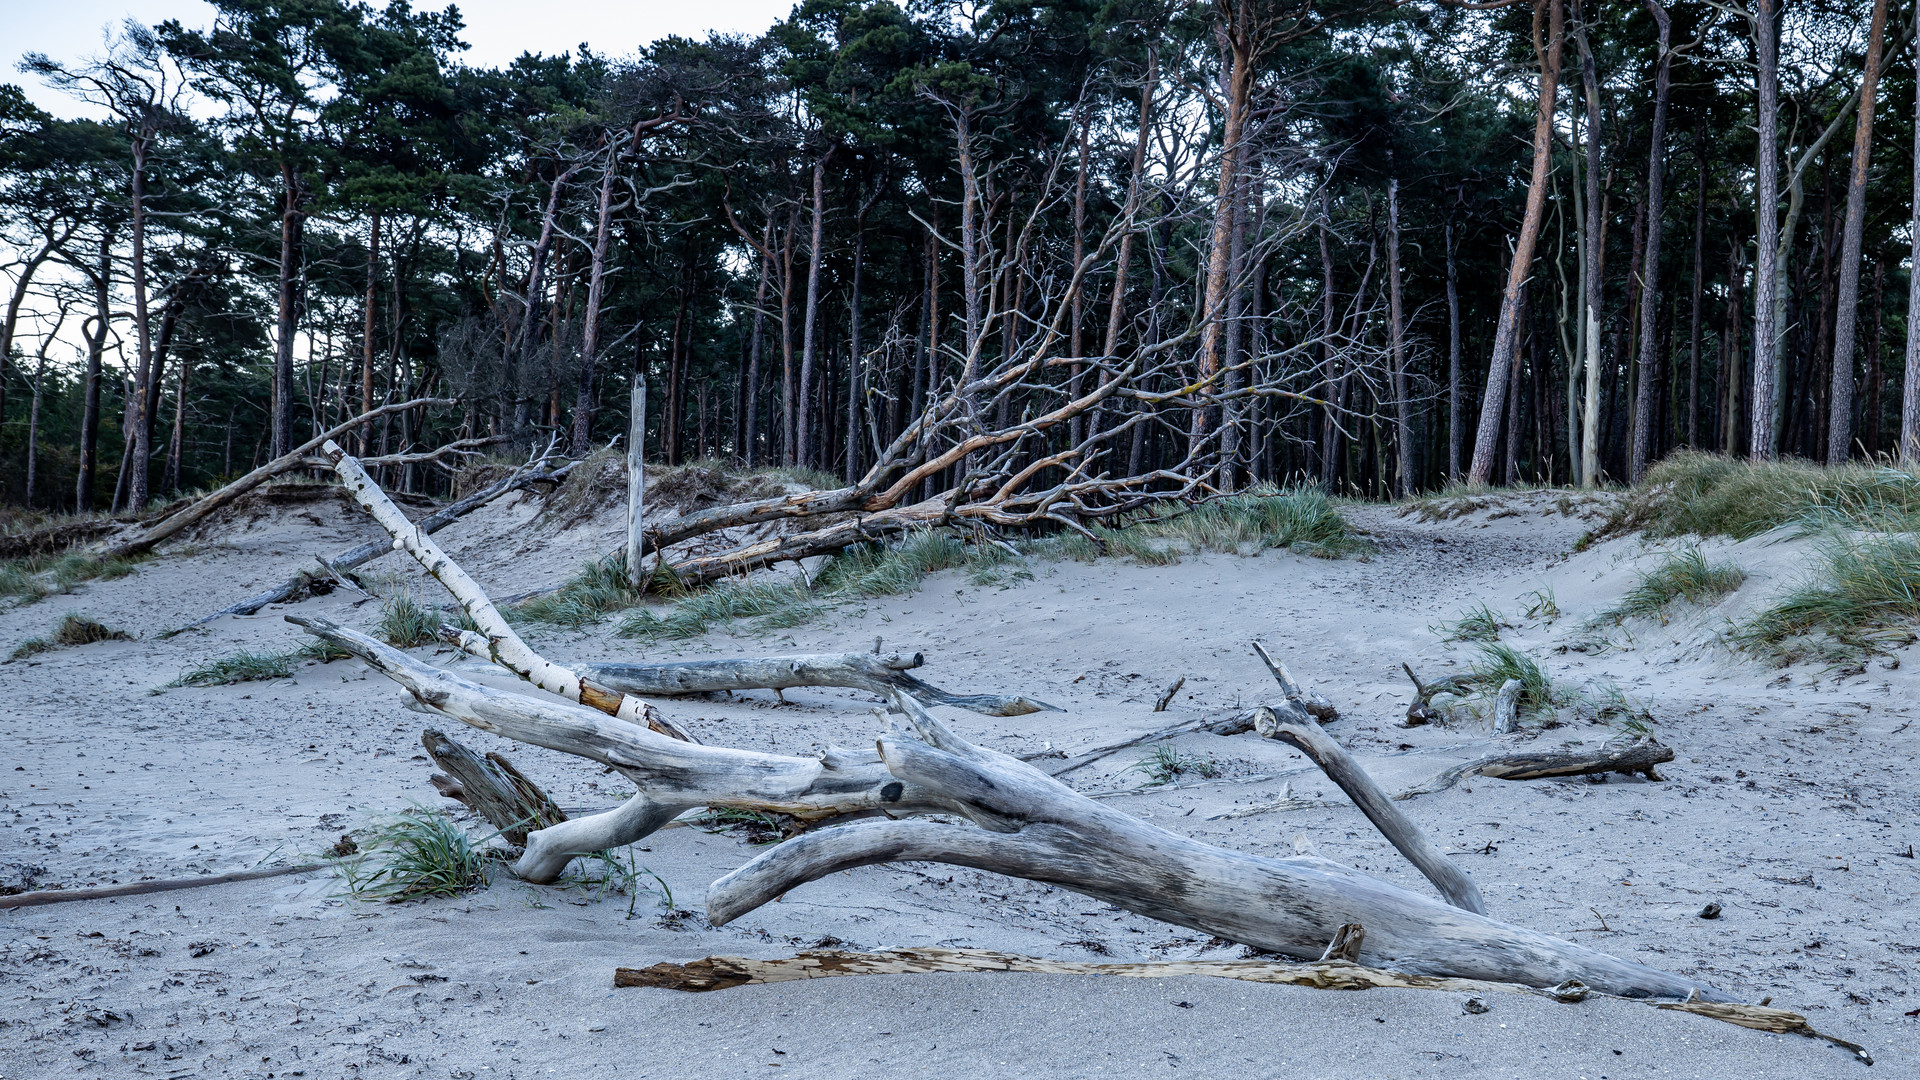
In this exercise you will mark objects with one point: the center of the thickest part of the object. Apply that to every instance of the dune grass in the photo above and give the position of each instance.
(1697, 494)
(1477, 623)
(416, 854)
(1165, 765)
(1265, 517)
(39, 577)
(1498, 663)
(405, 623)
(1862, 598)
(249, 665)
(74, 629)
(1683, 575)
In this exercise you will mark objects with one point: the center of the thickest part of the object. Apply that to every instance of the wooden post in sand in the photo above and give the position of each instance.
(636, 474)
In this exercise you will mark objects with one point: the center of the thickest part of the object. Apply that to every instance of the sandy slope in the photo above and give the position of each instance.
(1788, 804)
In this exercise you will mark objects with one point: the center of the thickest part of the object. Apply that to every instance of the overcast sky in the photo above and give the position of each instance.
(497, 30)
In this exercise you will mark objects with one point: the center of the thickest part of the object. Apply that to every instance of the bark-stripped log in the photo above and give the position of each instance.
(1291, 725)
(1034, 827)
(504, 646)
(1623, 758)
(705, 569)
(172, 524)
(858, 671)
(672, 776)
(373, 549)
(726, 972)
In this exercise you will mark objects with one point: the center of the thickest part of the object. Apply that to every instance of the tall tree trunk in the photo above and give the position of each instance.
(1910, 378)
(292, 220)
(789, 394)
(752, 404)
(368, 310)
(1876, 376)
(1730, 355)
(1506, 335)
(21, 285)
(96, 346)
(1123, 259)
(1236, 39)
(1650, 269)
(809, 341)
(1593, 277)
(1767, 250)
(1076, 427)
(144, 376)
(33, 410)
(1453, 361)
(1699, 268)
(1403, 408)
(582, 436)
(1329, 420)
(1840, 419)
(536, 296)
(856, 361)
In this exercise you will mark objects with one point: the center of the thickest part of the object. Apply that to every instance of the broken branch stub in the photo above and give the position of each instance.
(491, 787)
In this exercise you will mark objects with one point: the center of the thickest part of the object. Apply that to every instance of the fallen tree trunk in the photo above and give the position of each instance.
(706, 569)
(1626, 759)
(1034, 827)
(672, 776)
(174, 523)
(503, 645)
(373, 549)
(725, 972)
(858, 671)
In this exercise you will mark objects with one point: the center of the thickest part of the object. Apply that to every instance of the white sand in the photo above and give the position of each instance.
(1787, 804)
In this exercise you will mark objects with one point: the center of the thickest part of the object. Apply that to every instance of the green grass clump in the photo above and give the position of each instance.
(783, 604)
(41, 576)
(419, 853)
(1684, 575)
(599, 589)
(250, 666)
(1698, 494)
(1302, 519)
(1165, 765)
(72, 630)
(1865, 596)
(1477, 623)
(1498, 663)
(405, 624)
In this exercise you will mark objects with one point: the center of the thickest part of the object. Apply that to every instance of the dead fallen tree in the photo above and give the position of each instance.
(1031, 826)
(858, 671)
(1629, 758)
(491, 787)
(176, 522)
(341, 564)
(724, 972)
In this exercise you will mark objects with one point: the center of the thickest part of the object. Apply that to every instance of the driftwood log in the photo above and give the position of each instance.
(1627, 759)
(672, 776)
(491, 787)
(1032, 826)
(373, 549)
(174, 523)
(725, 972)
(503, 645)
(858, 671)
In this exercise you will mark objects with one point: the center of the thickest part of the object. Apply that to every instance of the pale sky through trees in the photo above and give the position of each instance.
(497, 30)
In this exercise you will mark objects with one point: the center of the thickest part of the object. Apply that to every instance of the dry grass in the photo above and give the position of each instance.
(72, 630)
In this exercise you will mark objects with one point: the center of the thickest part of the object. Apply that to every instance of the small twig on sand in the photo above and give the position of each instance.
(1166, 699)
